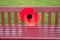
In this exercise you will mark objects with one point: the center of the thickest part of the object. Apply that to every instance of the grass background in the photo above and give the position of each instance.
(30, 3)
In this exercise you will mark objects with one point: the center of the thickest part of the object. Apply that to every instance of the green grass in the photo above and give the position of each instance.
(30, 3)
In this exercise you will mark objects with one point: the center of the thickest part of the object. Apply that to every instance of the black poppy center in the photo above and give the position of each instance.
(29, 16)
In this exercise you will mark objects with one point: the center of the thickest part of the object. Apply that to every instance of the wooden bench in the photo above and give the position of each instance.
(17, 31)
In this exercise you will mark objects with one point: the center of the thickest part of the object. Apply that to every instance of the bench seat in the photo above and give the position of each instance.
(19, 32)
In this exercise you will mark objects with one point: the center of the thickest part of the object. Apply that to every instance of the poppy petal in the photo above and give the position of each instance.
(29, 16)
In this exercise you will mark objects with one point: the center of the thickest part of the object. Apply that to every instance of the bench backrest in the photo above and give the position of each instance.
(37, 9)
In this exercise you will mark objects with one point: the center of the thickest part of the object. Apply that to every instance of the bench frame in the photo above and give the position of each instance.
(37, 9)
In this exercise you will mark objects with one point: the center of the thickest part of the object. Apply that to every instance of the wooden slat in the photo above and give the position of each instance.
(56, 22)
(49, 19)
(49, 22)
(42, 19)
(9, 18)
(2, 18)
(16, 18)
(37, 9)
(9, 21)
(3, 22)
(56, 18)
(16, 22)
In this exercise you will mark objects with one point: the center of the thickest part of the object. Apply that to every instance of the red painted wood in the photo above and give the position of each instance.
(2, 18)
(56, 18)
(16, 21)
(9, 18)
(42, 19)
(9, 21)
(49, 22)
(3, 22)
(16, 18)
(23, 28)
(56, 22)
(46, 31)
(40, 34)
(49, 19)
(37, 9)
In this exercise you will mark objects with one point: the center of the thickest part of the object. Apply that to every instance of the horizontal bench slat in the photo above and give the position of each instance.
(37, 9)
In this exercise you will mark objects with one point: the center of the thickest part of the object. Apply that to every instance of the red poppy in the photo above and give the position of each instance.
(29, 16)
